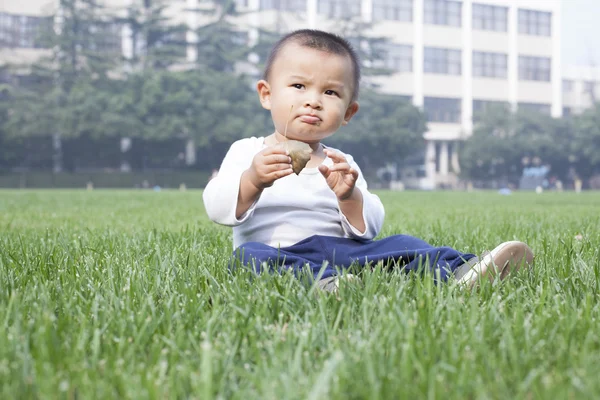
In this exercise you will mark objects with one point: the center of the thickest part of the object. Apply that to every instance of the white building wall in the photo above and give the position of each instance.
(584, 79)
(28, 7)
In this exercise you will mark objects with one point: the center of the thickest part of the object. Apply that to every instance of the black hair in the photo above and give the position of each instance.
(318, 40)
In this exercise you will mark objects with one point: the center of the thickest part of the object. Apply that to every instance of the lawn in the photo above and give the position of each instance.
(126, 294)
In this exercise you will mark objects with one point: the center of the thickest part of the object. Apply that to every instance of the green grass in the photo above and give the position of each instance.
(111, 294)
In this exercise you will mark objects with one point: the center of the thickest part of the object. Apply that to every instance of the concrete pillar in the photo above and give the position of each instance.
(430, 161)
(191, 36)
(513, 57)
(418, 53)
(311, 13)
(454, 159)
(556, 64)
(444, 159)
(366, 10)
(127, 37)
(467, 67)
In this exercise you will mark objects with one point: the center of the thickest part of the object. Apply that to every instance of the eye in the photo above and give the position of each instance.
(298, 86)
(331, 93)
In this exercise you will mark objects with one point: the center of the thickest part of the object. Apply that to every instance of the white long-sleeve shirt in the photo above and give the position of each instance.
(294, 208)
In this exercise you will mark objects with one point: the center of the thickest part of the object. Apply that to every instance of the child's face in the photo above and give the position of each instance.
(319, 86)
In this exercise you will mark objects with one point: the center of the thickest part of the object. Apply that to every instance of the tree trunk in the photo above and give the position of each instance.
(125, 147)
(57, 158)
(190, 153)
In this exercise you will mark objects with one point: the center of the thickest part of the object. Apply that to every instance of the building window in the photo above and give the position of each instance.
(538, 23)
(443, 12)
(567, 85)
(534, 68)
(439, 109)
(242, 3)
(283, 5)
(106, 38)
(339, 8)
(567, 112)
(589, 87)
(397, 57)
(481, 106)
(442, 61)
(536, 108)
(395, 10)
(490, 18)
(491, 65)
(24, 31)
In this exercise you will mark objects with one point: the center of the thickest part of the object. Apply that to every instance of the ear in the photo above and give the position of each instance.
(264, 93)
(350, 111)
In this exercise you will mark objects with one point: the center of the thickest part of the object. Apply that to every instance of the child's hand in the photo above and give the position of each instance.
(269, 165)
(341, 178)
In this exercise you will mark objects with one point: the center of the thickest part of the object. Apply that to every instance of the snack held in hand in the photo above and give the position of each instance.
(299, 153)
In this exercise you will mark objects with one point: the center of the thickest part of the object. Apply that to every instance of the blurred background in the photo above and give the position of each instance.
(498, 94)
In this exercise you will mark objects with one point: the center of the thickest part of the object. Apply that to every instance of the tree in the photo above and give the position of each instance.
(586, 142)
(503, 143)
(85, 45)
(156, 43)
(219, 44)
(385, 129)
(211, 108)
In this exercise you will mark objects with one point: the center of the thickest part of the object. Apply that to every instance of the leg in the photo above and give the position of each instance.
(406, 251)
(263, 258)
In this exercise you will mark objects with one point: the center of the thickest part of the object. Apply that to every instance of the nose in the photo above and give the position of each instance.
(313, 101)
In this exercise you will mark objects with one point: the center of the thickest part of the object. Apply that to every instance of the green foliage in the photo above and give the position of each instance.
(212, 108)
(95, 108)
(503, 143)
(86, 43)
(220, 45)
(586, 143)
(385, 129)
(157, 43)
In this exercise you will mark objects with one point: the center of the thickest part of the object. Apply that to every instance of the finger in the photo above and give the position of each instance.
(281, 173)
(275, 150)
(351, 177)
(277, 158)
(324, 170)
(342, 167)
(277, 167)
(336, 156)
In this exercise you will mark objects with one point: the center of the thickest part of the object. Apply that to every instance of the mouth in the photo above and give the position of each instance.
(310, 119)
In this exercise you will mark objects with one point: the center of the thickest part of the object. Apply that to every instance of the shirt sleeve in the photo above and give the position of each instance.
(373, 211)
(221, 193)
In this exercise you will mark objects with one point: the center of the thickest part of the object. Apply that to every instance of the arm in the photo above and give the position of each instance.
(362, 212)
(247, 195)
(352, 209)
(267, 166)
(221, 193)
(229, 198)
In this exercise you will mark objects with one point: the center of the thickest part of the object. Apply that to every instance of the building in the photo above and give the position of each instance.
(580, 87)
(451, 58)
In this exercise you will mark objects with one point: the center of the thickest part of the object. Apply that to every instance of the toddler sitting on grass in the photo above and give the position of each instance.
(323, 216)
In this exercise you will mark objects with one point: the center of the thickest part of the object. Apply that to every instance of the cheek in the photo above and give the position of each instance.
(338, 110)
(279, 113)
